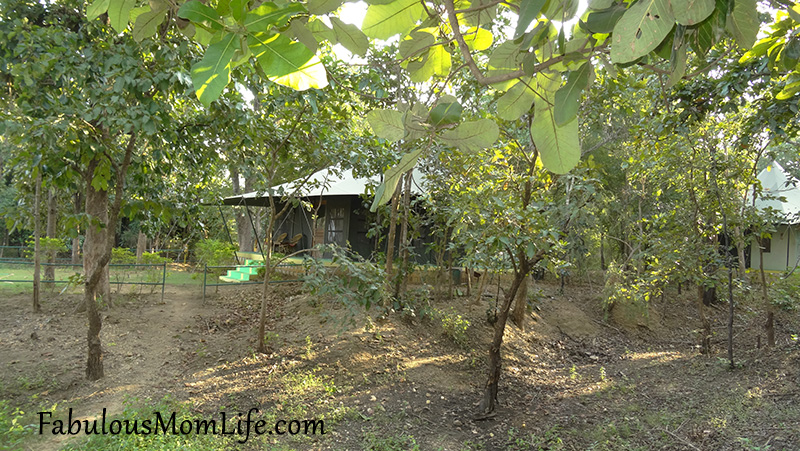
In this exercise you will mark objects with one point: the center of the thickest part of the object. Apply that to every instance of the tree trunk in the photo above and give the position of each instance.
(602, 255)
(392, 233)
(141, 245)
(76, 242)
(521, 304)
(262, 320)
(705, 337)
(400, 284)
(98, 247)
(52, 222)
(37, 249)
(769, 326)
(489, 401)
(740, 245)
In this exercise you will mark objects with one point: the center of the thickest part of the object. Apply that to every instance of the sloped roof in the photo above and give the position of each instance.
(776, 182)
(322, 183)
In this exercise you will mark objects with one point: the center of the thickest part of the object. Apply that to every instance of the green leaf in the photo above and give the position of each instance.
(559, 146)
(445, 114)
(743, 22)
(96, 8)
(386, 124)
(472, 136)
(212, 74)
(385, 21)
(239, 9)
(321, 32)
(692, 12)
(270, 15)
(702, 37)
(320, 7)
(199, 13)
(147, 24)
(478, 39)
(794, 12)
(528, 12)
(301, 33)
(643, 26)
(516, 101)
(386, 189)
(350, 37)
(679, 61)
(567, 98)
(603, 21)
(288, 63)
(119, 13)
(436, 61)
(415, 42)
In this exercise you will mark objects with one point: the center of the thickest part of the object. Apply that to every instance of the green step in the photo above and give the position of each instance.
(236, 275)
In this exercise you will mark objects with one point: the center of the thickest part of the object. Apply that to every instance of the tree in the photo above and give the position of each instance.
(107, 105)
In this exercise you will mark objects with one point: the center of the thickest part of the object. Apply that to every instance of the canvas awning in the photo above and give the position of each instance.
(777, 183)
(322, 183)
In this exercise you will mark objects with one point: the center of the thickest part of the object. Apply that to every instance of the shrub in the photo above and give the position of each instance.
(214, 252)
(357, 283)
(455, 327)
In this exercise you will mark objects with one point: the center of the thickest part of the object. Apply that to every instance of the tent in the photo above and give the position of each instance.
(781, 194)
(339, 208)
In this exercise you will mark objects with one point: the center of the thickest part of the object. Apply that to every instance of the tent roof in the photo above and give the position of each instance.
(776, 182)
(322, 183)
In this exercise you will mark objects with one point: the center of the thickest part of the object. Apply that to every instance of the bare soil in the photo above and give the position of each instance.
(575, 378)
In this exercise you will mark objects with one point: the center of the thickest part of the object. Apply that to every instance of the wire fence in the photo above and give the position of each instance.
(119, 274)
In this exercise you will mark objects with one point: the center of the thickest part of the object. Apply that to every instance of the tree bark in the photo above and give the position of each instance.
(262, 319)
(98, 246)
(392, 233)
(37, 249)
(769, 326)
(489, 401)
(52, 222)
(705, 338)
(521, 304)
(141, 245)
(400, 284)
(76, 242)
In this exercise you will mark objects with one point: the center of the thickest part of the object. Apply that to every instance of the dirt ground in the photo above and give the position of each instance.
(574, 379)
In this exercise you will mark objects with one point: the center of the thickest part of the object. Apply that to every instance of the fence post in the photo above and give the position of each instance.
(163, 281)
(205, 271)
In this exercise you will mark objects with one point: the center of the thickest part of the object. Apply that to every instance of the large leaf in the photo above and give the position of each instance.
(516, 101)
(301, 33)
(743, 22)
(212, 74)
(199, 13)
(603, 21)
(472, 136)
(478, 39)
(528, 11)
(119, 12)
(568, 97)
(147, 23)
(286, 62)
(350, 37)
(385, 21)
(96, 8)
(436, 61)
(679, 62)
(415, 43)
(319, 7)
(691, 12)
(386, 124)
(643, 26)
(559, 146)
(445, 114)
(271, 15)
(386, 189)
